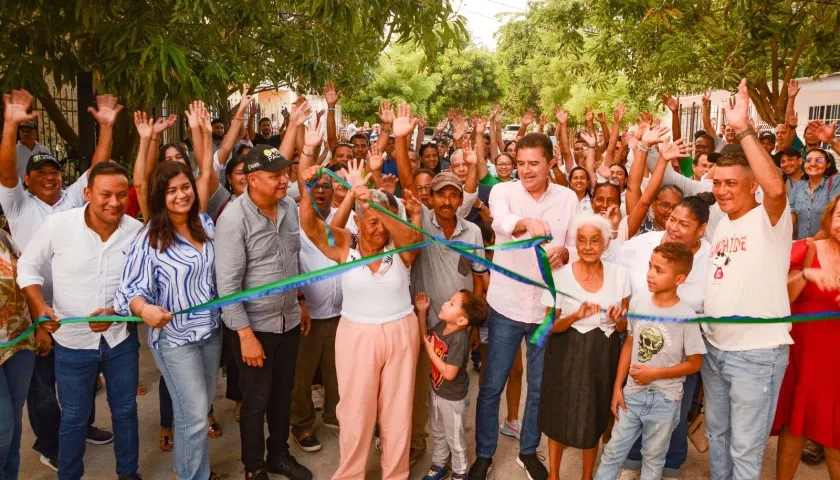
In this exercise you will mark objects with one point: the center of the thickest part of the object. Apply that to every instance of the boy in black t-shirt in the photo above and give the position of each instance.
(448, 347)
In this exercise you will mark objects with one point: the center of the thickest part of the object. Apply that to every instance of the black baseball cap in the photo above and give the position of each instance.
(267, 159)
(39, 160)
(767, 134)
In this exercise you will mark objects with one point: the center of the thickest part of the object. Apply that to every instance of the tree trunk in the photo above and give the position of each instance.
(62, 126)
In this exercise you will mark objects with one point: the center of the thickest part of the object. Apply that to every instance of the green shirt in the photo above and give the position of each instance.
(687, 167)
(490, 180)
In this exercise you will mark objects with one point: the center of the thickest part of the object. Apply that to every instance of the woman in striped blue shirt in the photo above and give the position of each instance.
(170, 268)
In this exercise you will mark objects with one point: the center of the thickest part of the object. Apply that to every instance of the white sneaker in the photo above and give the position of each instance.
(624, 474)
(318, 397)
(50, 462)
(511, 429)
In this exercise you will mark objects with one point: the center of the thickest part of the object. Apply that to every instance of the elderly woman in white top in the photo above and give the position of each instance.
(376, 343)
(582, 352)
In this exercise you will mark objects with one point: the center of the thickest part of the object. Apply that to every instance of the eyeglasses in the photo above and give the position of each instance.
(664, 206)
(504, 164)
(322, 186)
(819, 160)
(424, 188)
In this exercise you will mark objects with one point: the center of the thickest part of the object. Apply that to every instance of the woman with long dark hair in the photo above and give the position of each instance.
(810, 195)
(170, 267)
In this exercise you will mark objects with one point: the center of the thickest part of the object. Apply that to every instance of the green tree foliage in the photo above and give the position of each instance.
(400, 76)
(692, 45)
(470, 81)
(145, 51)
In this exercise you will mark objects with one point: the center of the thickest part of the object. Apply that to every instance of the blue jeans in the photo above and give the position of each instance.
(75, 368)
(15, 374)
(190, 373)
(741, 391)
(654, 416)
(43, 408)
(678, 448)
(503, 342)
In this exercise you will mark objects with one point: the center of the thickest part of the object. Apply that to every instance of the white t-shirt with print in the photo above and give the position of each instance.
(635, 256)
(616, 288)
(747, 276)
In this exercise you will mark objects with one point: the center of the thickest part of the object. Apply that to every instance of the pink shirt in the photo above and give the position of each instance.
(510, 203)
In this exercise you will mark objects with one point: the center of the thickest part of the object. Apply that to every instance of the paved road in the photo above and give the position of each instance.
(224, 451)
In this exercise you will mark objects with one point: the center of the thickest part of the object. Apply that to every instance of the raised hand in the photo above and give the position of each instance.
(331, 95)
(309, 174)
(421, 122)
(459, 125)
(354, 174)
(494, 112)
(412, 204)
(374, 160)
(106, 111)
(589, 139)
(543, 120)
(143, 124)
(193, 113)
(561, 114)
(386, 112)
(314, 135)
(824, 133)
(793, 88)
(402, 124)
(673, 103)
(619, 111)
(737, 108)
(163, 123)
(300, 112)
(707, 100)
(652, 136)
(389, 184)
(441, 125)
(528, 117)
(17, 107)
(675, 150)
(792, 119)
(588, 115)
(422, 302)
(319, 114)
(245, 102)
(601, 117)
(470, 156)
(480, 125)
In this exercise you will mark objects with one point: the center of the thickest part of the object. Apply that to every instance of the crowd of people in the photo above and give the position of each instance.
(645, 231)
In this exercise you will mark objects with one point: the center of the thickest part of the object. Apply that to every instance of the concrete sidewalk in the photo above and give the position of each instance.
(224, 451)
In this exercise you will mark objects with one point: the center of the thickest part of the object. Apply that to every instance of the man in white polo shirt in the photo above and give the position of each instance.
(743, 370)
(26, 211)
(28, 145)
(86, 247)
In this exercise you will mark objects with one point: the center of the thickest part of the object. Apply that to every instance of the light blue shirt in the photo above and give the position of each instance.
(176, 279)
(809, 210)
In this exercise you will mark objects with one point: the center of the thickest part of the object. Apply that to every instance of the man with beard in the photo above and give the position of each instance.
(218, 133)
(83, 249)
(439, 271)
(264, 136)
(27, 211)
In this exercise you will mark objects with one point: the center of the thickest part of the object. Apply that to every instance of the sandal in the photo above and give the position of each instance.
(166, 440)
(237, 410)
(214, 430)
(141, 389)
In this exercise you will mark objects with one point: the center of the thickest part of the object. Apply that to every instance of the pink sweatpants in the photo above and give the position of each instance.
(375, 365)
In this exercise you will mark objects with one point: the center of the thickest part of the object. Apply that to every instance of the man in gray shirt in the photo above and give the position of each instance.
(258, 242)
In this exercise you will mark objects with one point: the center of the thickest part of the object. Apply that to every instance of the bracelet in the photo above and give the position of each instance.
(241, 119)
(330, 109)
(746, 133)
(308, 154)
(155, 139)
(803, 276)
(643, 148)
(140, 311)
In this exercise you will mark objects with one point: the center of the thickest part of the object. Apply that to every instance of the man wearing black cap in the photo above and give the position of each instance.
(26, 212)
(258, 242)
(768, 141)
(27, 145)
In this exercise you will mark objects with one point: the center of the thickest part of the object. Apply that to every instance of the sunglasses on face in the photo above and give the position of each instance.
(819, 160)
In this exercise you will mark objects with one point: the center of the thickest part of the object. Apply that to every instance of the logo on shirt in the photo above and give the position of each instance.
(720, 260)
(651, 341)
(440, 350)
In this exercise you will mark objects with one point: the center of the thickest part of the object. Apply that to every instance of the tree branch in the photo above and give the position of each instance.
(62, 126)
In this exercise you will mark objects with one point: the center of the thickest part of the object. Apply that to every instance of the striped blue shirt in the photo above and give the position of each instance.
(176, 279)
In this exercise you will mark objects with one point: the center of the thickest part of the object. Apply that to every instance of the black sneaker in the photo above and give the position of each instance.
(260, 474)
(308, 442)
(533, 466)
(131, 476)
(285, 464)
(480, 468)
(96, 436)
(51, 462)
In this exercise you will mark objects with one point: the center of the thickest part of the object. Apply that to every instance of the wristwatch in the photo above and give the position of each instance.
(746, 133)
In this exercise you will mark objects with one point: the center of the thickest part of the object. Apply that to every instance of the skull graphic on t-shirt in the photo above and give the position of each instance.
(651, 342)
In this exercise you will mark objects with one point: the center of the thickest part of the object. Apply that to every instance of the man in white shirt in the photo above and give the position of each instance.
(534, 206)
(26, 211)
(322, 302)
(743, 370)
(86, 248)
(27, 145)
